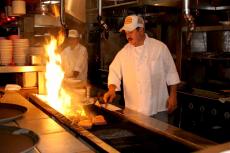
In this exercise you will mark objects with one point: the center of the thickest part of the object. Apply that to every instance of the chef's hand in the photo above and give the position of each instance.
(172, 100)
(110, 94)
(171, 103)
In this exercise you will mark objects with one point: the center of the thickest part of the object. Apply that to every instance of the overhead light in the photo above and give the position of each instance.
(50, 1)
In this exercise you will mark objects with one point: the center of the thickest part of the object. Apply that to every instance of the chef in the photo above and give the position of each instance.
(147, 69)
(75, 57)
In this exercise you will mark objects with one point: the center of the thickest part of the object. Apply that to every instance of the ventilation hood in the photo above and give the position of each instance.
(73, 9)
(76, 8)
(166, 3)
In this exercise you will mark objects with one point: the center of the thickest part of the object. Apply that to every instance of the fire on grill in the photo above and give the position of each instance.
(60, 94)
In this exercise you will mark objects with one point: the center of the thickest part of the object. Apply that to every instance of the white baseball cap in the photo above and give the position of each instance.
(132, 22)
(73, 34)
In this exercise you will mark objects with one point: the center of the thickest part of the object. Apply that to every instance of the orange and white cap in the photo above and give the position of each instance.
(132, 22)
(73, 34)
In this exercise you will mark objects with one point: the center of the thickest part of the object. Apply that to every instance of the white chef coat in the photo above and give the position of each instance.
(75, 59)
(146, 71)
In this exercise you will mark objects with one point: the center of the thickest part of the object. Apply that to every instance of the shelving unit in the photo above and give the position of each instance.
(209, 28)
(18, 69)
(39, 77)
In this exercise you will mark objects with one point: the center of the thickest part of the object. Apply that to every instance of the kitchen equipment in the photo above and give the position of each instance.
(122, 134)
(15, 140)
(204, 114)
(219, 45)
(9, 112)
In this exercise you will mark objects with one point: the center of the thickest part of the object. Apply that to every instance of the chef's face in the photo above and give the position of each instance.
(135, 37)
(73, 41)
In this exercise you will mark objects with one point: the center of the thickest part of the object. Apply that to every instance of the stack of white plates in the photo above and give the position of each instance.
(5, 51)
(20, 49)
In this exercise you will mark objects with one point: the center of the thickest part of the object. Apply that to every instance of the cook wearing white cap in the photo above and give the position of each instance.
(147, 68)
(132, 22)
(73, 34)
(75, 57)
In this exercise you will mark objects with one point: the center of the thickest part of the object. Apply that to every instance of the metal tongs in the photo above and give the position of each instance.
(99, 101)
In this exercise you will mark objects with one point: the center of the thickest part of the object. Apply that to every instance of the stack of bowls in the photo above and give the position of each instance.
(6, 51)
(20, 49)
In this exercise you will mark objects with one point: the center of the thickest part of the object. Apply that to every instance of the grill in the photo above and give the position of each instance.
(119, 134)
(126, 136)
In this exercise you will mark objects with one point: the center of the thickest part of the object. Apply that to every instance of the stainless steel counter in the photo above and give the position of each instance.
(222, 148)
(53, 137)
(156, 126)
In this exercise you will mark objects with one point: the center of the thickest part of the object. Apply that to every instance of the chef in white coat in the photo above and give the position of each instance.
(75, 57)
(147, 69)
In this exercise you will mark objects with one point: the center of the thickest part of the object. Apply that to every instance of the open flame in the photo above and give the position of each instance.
(55, 10)
(57, 96)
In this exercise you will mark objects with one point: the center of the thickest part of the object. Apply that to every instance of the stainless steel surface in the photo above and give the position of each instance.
(15, 139)
(186, 7)
(214, 8)
(167, 3)
(53, 137)
(73, 126)
(46, 20)
(208, 28)
(222, 148)
(62, 10)
(222, 44)
(156, 126)
(10, 112)
(77, 9)
(189, 19)
(13, 69)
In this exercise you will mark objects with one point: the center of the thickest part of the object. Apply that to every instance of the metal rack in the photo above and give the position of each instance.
(17, 69)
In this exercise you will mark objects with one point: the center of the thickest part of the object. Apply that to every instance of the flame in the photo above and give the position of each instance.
(57, 97)
(55, 10)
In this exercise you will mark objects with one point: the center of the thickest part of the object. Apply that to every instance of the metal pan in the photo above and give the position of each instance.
(15, 140)
(9, 112)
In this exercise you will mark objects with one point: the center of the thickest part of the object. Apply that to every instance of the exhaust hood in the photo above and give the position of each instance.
(46, 21)
(166, 3)
(74, 8)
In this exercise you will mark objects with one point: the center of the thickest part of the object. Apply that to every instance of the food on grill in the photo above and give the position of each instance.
(87, 124)
(99, 120)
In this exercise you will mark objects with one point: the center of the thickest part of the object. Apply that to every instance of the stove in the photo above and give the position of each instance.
(121, 134)
(202, 113)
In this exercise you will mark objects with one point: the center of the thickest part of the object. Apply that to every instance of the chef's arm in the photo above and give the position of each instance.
(110, 94)
(172, 100)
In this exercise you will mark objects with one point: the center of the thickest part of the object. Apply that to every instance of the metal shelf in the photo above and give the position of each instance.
(17, 69)
(208, 28)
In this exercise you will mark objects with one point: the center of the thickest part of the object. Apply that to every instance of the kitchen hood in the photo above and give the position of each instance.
(166, 3)
(76, 8)
(46, 21)
(73, 9)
